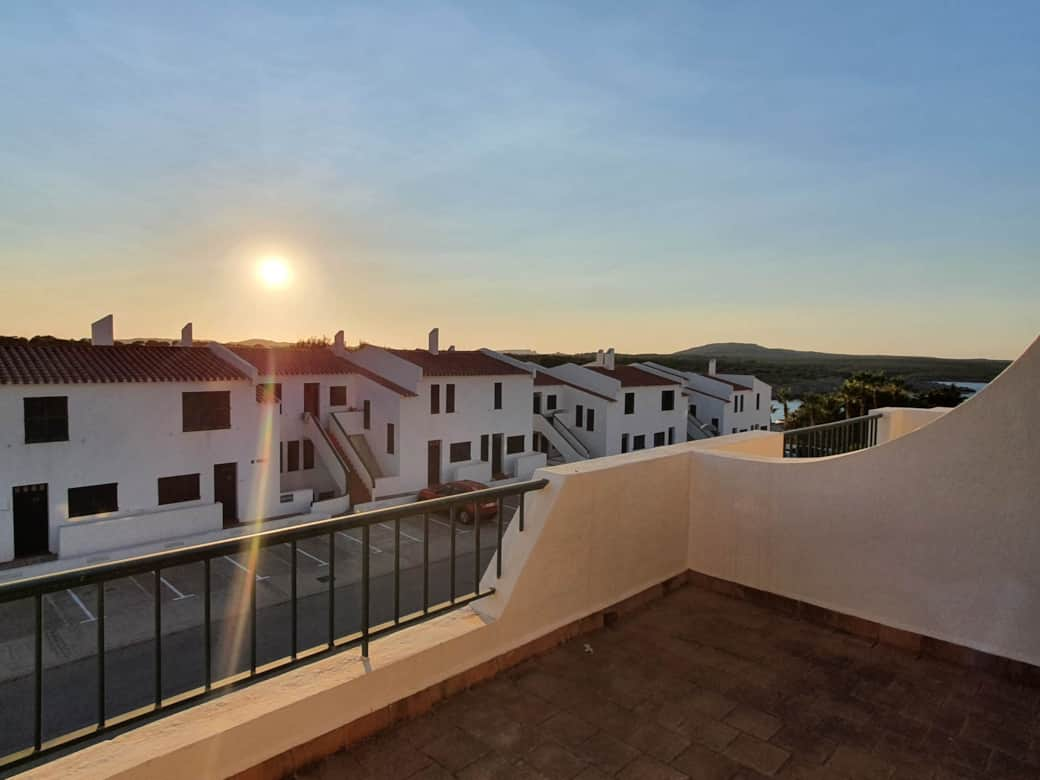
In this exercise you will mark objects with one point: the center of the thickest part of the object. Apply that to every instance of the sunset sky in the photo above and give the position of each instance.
(853, 177)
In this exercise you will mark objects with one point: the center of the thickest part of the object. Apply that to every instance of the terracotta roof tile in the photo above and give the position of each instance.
(542, 379)
(297, 361)
(72, 363)
(457, 362)
(631, 376)
(292, 361)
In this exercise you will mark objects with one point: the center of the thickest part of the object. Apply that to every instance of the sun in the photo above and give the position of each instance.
(274, 272)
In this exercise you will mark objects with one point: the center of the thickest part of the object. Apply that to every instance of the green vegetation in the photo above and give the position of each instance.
(804, 373)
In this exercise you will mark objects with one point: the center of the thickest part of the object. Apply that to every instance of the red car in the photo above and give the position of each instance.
(465, 512)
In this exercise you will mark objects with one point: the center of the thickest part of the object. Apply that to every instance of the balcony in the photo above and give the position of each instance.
(709, 609)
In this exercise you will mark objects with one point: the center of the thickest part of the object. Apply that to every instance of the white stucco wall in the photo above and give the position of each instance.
(131, 434)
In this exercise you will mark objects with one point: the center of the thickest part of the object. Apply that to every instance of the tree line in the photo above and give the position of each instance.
(860, 394)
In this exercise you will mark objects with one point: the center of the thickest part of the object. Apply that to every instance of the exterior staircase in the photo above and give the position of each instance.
(561, 437)
(360, 493)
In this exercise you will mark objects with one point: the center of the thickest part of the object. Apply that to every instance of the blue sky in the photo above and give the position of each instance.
(836, 176)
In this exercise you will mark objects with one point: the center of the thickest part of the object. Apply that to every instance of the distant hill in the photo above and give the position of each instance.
(810, 372)
(261, 343)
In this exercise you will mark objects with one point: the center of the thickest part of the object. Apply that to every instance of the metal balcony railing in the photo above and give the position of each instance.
(335, 613)
(836, 438)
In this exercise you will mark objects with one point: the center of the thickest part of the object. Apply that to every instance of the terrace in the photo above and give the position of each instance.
(710, 609)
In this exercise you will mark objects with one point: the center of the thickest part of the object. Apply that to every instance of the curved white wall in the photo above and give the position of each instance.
(936, 532)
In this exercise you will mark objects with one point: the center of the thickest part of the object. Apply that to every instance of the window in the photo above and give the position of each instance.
(389, 438)
(579, 415)
(449, 399)
(590, 420)
(366, 415)
(498, 396)
(639, 442)
(537, 403)
(174, 490)
(624, 442)
(514, 444)
(550, 402)
(630, 403)
(715, 423)
(269, 393)
(292, 456)
(459, 451)
(46, 419)
(671, 435)
(308, 454)
(206, 411)
(693, 409)
(93, 499)
(435, 399)
(338, 395)
(485, 443)
(667, 400)
(659, 439)
(758, 401)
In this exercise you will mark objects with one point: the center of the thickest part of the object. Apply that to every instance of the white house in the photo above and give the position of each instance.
(608, 408)
(105, 445)
(458, 414)
(722, 404)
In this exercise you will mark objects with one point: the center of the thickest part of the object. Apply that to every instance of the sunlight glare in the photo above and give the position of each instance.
(274, 272)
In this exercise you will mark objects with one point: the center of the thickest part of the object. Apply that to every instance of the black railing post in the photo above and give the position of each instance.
(38, 676)
(523, 502)
(397, 571)
(332, 588)
(476, 549)
(451, 556)
(364, 589)
(426, 563)
(251, 576)
(207, 624)
(293, 602)
(157, 614)
(101, 652)
(498, 555)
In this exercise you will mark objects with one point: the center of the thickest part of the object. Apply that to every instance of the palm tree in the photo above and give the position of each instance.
(783, 395)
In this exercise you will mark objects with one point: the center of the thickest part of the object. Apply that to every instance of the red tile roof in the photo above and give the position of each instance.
(73, 363)
(542, 379)
(297, 361)
(292, 361)
(718, 378)
(631, 376)
(457, 362)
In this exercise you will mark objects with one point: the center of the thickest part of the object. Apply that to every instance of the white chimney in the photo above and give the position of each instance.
(609, 360)
(339, 342)
(186, 336)
(101, 332)
(711, 367)
(435, 335)
(599, 358)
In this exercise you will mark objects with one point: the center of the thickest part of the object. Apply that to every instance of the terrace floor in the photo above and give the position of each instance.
(700, 685)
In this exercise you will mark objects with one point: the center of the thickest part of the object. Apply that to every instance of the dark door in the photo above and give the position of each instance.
(225, 490)
(537, 403)
(496, 455)
(433, 462)
(312, 399)
(30, 520)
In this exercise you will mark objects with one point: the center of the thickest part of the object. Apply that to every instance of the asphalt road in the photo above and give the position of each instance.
(70, 692)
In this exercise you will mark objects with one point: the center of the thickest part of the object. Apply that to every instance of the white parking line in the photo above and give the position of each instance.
(404, 533)
(301, 551)
(233, 562)
(140, 587)
(177, 594)
(81, 605)
(358, 541)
